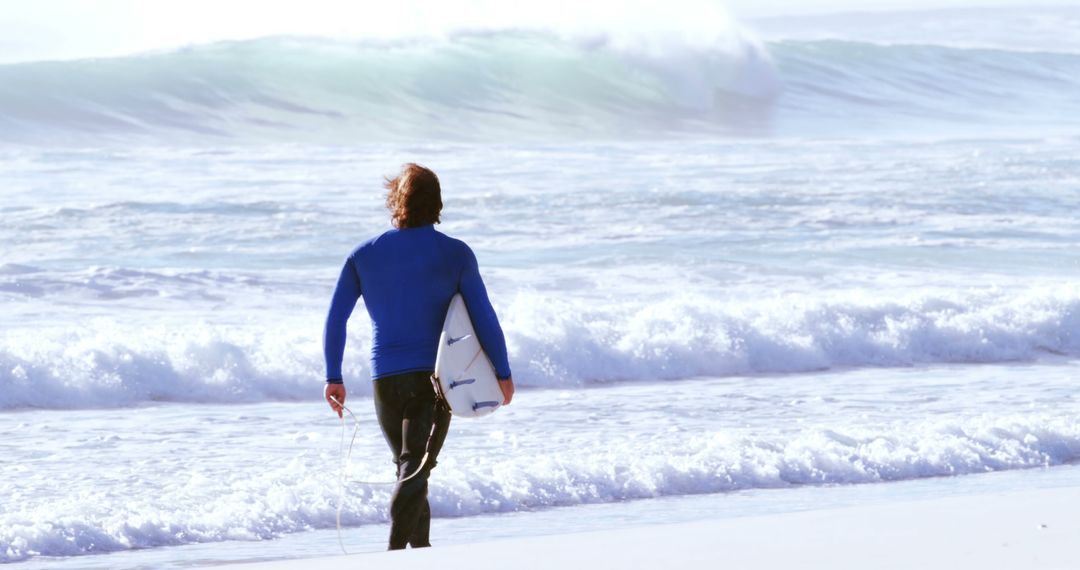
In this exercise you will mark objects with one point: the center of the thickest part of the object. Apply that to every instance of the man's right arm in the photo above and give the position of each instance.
(484, 319)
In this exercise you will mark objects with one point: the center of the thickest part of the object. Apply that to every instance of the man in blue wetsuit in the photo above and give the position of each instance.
(407, 277)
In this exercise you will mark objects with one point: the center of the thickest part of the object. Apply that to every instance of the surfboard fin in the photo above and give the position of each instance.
(457, 383)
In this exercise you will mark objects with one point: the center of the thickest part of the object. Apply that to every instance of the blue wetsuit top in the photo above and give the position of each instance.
(407, 278)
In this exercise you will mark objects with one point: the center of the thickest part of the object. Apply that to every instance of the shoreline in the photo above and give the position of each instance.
(1014, 529)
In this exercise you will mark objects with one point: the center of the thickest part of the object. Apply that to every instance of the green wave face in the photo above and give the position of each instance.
(531, 86)
(502, 86)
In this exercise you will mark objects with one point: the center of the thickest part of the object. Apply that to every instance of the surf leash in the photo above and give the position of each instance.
(346, 458)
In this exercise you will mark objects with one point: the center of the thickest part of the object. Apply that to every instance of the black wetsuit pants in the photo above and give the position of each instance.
(407, 408)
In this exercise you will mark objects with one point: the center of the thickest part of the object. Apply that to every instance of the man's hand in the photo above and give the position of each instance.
(507, 387)
(337, 392)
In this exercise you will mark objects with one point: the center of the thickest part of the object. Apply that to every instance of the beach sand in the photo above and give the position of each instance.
(1018, 529)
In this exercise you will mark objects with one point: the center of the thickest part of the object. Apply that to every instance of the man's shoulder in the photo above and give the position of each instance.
(447, 244)
(453, 244)
(450, 239)
(372, 242)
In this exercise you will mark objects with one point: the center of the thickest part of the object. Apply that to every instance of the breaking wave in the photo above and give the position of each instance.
(528, 86)
(466, 86)
(553, 343)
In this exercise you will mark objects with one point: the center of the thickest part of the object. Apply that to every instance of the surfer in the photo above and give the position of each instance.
(407, 277)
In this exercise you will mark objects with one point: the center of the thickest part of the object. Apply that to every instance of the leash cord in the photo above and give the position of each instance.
(346, 457)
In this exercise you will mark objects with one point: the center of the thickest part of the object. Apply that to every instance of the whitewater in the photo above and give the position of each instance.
(764, 263)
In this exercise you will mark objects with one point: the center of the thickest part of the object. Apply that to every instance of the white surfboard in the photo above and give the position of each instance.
(465, 375)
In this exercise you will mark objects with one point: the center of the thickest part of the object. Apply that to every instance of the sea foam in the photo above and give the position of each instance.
(553, 343)
(203, 505)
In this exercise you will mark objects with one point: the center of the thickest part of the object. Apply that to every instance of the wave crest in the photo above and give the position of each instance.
(523, 86)
(468, 86)
(552, 343)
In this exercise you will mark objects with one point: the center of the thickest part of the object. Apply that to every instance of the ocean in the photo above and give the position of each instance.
(785, 262)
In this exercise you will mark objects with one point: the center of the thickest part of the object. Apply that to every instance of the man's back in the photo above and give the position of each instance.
(407, 278)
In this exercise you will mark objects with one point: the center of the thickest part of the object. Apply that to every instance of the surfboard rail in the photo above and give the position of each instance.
(464, 375)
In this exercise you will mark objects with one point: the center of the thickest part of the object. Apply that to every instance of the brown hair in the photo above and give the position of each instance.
(414, 198)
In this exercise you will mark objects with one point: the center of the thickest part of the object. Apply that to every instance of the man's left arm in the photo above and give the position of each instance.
(346, 294)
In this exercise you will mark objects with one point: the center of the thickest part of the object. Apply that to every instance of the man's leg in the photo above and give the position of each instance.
(410, 496)
(405, 406)
(388, 410)
(421, 536)
(390, 398)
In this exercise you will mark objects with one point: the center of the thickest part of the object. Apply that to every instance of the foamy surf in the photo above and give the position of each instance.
(164, 486)
(553, 343)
